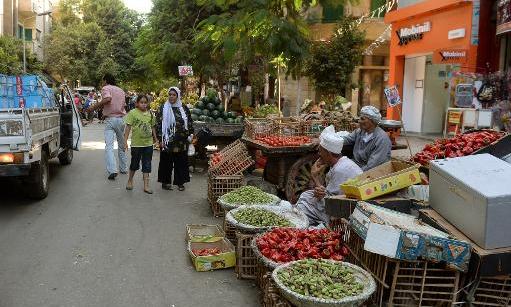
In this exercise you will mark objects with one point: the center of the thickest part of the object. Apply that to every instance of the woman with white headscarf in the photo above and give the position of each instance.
(175, 129)
(371, 145)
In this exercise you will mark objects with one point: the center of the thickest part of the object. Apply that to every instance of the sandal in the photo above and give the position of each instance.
(181, 188)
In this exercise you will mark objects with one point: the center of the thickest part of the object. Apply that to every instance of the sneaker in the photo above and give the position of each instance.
(112, 176)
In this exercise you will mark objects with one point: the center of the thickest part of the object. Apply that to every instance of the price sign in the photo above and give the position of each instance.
(392, 95)
(185, 71)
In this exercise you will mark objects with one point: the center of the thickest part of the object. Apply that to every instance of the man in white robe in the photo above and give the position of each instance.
(312, 202)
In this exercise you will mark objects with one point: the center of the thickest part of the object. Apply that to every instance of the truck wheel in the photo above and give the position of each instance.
(66, 157)
(37, 182)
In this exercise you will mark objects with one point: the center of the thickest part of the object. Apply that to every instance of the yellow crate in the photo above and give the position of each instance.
(226, 259)
(204, 233)
(384, 179)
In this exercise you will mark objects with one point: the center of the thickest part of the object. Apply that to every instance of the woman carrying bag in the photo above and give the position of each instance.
(175, 129)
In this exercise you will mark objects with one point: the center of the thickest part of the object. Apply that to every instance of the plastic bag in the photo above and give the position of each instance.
(191, 150)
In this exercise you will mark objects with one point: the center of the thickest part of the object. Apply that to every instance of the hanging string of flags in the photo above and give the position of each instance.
(385, 36)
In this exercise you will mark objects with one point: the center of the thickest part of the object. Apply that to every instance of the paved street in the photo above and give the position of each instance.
(92, 243)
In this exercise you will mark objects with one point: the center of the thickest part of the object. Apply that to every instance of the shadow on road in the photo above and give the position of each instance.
(13, 196)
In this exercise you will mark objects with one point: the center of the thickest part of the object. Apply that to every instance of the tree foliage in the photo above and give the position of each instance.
(11, 57)
(99, 42)
(332, 62)
(80, 52)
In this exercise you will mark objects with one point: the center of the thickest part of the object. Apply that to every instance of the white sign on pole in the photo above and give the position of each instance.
(392, 95)
(185, 71)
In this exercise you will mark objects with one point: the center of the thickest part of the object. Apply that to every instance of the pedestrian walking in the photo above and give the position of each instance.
(112, 103)
(175, 131)
(141, 122)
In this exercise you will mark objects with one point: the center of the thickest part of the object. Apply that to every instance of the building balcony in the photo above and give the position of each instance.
(27, 8)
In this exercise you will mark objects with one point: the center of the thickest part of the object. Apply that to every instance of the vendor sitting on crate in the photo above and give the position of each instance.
(371, 145)
(312, 202)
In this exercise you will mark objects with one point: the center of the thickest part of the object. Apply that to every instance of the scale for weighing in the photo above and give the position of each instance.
(464, 95)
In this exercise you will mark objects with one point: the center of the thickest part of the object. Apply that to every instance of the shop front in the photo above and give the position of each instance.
(430, 41)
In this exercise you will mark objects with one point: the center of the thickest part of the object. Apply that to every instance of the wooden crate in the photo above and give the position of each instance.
(261, 272)
(246, 261)
(235, 159)
(406, 283)
(258, 127)
(230, 232)
(220, 185)
(271, 294)
(287, 126)
(491, 291)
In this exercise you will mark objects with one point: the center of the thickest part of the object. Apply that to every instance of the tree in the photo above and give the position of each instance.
(80, 52)
(11, 63)
(333, 62)
(120, 26)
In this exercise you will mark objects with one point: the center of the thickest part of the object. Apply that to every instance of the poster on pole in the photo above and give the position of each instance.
(185, 71)
(392, 95)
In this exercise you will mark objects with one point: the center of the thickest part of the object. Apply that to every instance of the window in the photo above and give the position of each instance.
(375, 4)
(28, 35)
(19, 33)
(332, 12)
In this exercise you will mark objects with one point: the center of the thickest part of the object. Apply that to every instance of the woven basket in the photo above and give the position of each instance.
(297, 218)
(228, 207)
(299, 300)
(270, 264)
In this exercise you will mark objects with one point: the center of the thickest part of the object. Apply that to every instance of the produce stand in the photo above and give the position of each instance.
(287, 167)
(221, 133)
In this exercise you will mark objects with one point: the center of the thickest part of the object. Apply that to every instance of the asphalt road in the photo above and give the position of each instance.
(92, 243)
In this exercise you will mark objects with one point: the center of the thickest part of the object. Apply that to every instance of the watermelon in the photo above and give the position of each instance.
(220, 107)
(210, 106)
(216, 101)
(200, 105)
(197, 112)
(205, 112)
(220, 120)
(230, 120)
(203, 118)
(210, 120)
(205, 100)
(238, 120)
(231, 115)
(215, 114)
(195, 117)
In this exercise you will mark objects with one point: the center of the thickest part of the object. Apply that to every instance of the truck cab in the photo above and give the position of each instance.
(36, 125)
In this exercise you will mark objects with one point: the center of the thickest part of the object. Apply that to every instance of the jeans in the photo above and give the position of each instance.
(114, 128)
(141, 153)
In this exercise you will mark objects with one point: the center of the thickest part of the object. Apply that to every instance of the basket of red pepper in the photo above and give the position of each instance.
(282, 245)
(458, 146)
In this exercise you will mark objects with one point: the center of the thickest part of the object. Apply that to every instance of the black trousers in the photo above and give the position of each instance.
(176, 162)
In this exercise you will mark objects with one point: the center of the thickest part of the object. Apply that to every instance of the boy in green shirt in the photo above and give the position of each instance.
(142, 122)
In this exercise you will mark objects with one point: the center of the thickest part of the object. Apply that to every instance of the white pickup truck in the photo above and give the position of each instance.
(35, 126)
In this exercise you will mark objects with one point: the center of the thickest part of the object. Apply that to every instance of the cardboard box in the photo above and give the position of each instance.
(402, 236)
(384, 179)
(483, 262)
(226, 259)
(204, 233)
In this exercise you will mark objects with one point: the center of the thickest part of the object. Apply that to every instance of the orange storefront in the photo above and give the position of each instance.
(430, 40)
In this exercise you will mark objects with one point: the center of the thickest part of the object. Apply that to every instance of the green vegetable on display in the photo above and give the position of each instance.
(260, 218)
(320, 279)
(247, 195)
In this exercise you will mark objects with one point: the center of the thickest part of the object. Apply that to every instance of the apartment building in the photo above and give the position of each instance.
(371, 75)
(19, 18)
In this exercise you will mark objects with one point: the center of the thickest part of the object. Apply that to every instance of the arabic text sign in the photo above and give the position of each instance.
(185, 71)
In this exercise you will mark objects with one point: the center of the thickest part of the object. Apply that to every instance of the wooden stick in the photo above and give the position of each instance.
(404, 133)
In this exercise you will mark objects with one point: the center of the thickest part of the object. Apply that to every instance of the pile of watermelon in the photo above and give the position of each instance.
(209, 109)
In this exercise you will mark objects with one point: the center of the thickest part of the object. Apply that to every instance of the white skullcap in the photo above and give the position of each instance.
(331, 141)
(372, 113)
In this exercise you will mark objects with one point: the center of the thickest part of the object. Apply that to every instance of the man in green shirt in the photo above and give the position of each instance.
(140, 121)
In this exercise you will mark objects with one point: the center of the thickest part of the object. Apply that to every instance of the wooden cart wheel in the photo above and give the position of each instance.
(299, 177)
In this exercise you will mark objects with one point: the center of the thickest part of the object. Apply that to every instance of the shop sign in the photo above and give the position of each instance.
(185, 71)
(412, 33)
(504, 16)
(392, 95)
(450, 56)
(457, 33)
